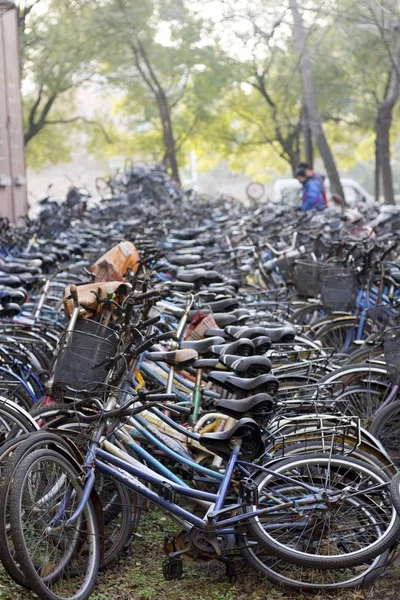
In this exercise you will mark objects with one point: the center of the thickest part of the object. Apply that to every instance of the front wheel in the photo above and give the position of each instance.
(60, 560)
(324, 512)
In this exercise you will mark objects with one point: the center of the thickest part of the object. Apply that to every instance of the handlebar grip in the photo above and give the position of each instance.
(153, 340)
(149, 322)
(147, 295)
(162, 398)
(183, 410)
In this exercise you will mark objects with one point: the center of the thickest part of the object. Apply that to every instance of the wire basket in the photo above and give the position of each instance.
(80, 362)
(391, 348)
(383, 316)
(338, 288)
(306, 277)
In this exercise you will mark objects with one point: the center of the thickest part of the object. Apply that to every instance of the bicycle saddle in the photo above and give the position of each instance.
(18, 268)
(261, 344)
(27, 262)
(278, 332)
(238, 348)
(245, 332)
(224, 319)
(259, 404)
(237, 385)
(190, 250)
(187, 234)
(9, 295)
(176, 358)
(220, 332)
(201, 265)
(221, 290)
(250, 366)
(201, 346)
(10, 310)
(225, 305)
(10, 280)
(233, 283)
(245, 429)
(198, 276)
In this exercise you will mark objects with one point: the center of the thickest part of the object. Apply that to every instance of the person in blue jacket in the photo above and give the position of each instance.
(313, 196)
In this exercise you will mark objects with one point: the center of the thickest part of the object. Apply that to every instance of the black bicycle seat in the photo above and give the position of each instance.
(238, 348)
(250, 366)
(246, 332)
(202, 346)
(261, 344)
(10, 280)
(245, 429)
(226, 305)
(177, 358)
(241, 387)
(259, 404)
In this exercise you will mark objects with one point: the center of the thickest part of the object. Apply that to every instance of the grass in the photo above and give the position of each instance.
(138, 576)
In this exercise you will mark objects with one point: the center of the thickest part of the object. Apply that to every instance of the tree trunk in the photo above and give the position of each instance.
(310, 99)
(294, 158)
(151, 80)
(307, 135)
(383, 126)
(384, 121)
(377, 174)
(168, 135)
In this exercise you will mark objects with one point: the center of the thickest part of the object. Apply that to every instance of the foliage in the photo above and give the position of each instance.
(229, 76)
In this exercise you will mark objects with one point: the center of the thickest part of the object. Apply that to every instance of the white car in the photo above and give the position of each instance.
(289, 190)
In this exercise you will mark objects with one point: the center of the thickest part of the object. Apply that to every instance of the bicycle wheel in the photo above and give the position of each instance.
(307, 315)
(307, 579)
(340, 513)
(13, 421)
(395, 492)
(10, 455)
(364, 354)
(60, 560)
(341, 333)
(386, 428)
(366, 386)
(120, 519)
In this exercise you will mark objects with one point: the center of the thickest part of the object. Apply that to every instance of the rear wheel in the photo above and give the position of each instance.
(341, 512)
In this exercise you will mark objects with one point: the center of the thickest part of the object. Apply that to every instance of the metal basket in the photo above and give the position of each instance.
(391, 348)
(338, 289)
(306, 277)
(82, 352)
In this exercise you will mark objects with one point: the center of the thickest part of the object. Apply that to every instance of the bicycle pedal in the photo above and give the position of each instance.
(172, 568)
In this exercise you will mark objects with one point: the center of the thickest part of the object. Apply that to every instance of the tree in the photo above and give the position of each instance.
(156, 52)
(371, 52)
(56, 61)
(310, 98)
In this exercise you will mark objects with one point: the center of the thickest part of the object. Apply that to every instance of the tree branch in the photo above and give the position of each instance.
(84, 120)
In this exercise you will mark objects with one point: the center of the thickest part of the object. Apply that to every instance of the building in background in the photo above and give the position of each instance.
(13, 197)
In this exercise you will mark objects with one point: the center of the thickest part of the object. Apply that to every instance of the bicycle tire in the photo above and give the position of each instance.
(395, 492)
(12, 453)
(341, 466)
(44, 582)
(385, 426)
(301, 579)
